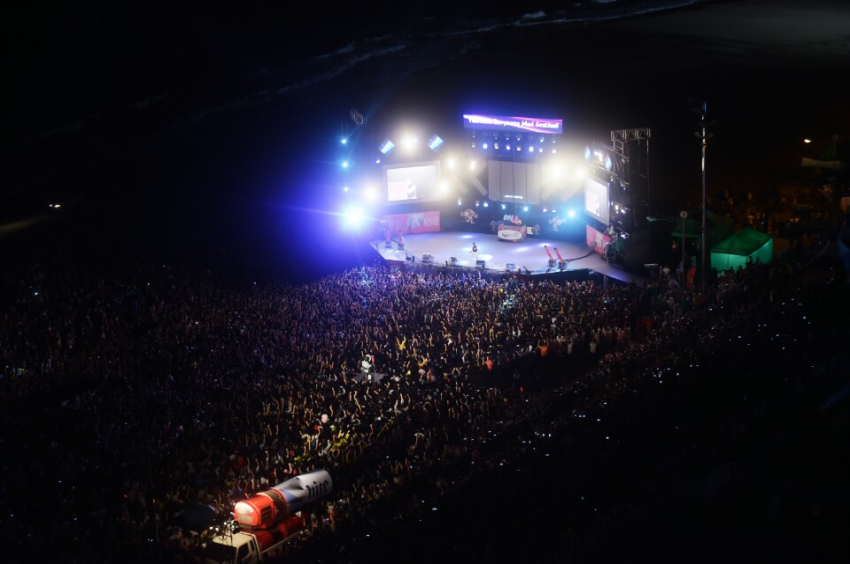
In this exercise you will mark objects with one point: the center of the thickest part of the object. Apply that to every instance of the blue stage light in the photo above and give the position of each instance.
(386, 146)
(353, 217)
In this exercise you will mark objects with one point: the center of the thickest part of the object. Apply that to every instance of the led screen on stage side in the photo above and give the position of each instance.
(413, 183)
(596, 199)
(511, 123)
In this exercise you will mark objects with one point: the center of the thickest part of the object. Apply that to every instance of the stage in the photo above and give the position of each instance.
(527, 257)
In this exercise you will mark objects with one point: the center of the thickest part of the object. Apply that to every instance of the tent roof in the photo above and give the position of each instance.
(743, 243)
(693, 226)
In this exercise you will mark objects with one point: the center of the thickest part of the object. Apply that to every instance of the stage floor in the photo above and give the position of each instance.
(528, 257)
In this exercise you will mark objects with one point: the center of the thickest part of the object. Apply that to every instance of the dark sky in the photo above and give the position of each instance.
(213, 129)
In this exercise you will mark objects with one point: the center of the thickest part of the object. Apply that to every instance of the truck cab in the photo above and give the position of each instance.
(253, 547)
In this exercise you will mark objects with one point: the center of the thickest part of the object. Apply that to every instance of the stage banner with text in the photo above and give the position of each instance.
(511, 233)
(421, 222)
(597, 239)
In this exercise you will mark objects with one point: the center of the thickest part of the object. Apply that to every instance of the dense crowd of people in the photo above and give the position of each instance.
(131, 396)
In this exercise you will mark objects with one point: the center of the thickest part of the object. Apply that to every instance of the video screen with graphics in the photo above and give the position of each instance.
(596, 202)
(413, 183)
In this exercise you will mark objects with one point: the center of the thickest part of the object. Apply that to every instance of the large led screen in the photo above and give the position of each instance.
(596, 202)
(413, 183)
(513, 182)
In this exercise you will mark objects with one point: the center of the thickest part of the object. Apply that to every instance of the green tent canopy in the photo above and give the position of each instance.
(717, 227)
(745, 244)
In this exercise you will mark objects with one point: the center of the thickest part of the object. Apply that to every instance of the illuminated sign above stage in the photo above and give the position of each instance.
(519, 124)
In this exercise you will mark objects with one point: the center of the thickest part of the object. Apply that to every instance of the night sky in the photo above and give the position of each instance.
(210, 135)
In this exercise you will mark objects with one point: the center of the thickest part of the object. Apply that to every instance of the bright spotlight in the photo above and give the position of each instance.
(452, 164)
(580, 173)
(525, 208)
(353, 218)
(459, 202)
(484, 146)
(409, 144)
(486, 204)
(434, 142)
(472, 165)
(555, 170)
(344, 164)
(503, 206)
(344, 141)
(345, 188)
(444, 187)
(571, 214)
(371, 193)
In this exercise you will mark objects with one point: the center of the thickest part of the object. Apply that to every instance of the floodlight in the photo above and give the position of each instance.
(386, 146)
(434, 142)
(353, 217)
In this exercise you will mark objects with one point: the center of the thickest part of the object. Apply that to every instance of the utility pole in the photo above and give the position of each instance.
(703, 135)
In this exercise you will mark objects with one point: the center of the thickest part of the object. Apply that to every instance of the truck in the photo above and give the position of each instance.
(263, 524)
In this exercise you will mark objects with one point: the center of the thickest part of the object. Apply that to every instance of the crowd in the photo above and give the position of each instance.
(129, 396)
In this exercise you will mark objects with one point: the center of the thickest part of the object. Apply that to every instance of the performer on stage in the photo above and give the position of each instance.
(474, 253)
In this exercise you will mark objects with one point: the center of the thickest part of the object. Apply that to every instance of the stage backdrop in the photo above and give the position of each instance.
(420, 222)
